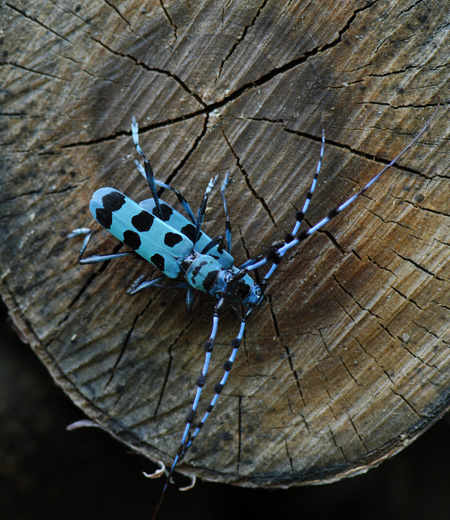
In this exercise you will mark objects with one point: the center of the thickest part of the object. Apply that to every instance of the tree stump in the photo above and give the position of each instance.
(347, 360)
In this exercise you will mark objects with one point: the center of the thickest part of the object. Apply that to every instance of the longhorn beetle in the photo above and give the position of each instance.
(177, 247)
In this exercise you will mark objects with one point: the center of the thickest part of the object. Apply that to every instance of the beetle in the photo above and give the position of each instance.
(180, 250)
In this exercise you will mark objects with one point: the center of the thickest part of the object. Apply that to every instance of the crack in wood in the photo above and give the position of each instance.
(28, 69)
(408, 404)
(35, 20)
(169, 365)
(247, 180)
(355, 429)
(290, 459)
(344, 364)
(157, 70)
(381, 267)
(338, 446)
(345, 312)
(125, 343)
(285, 348)
(190, 151)
(169, 18)
(262, 80)
(342, 146)
(240, 38)
(406, 298)
(348, 293)
(420, 267)
(92, 277)
(116, 9)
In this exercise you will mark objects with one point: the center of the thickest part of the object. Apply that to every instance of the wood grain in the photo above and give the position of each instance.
(347, 361)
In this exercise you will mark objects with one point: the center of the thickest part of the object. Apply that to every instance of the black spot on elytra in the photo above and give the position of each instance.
(166, 211)
(143, 221)
(158, 261)
(172, 239)
(209, 280)
(113, 201)
(103, 217)
(131, 239)
(189, 231)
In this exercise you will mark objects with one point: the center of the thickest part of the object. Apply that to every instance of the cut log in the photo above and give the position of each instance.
(347, 361)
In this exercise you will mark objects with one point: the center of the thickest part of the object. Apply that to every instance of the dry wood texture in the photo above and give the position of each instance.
(348, 359)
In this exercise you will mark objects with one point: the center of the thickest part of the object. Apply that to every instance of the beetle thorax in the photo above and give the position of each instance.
(204, 273)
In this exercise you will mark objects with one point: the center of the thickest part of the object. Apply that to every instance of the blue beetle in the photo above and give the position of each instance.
(179, 248)
(172, 247)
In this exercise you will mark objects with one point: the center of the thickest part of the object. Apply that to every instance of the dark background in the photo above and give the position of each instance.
(48, 472)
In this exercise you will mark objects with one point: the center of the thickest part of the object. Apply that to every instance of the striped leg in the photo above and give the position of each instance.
(275, 256)
(208, 348)
(147, 167)
(209, 344)
(189, 298)
(334, 212)
(180, 197)
(93, 259)
(219, 240)
(140, 284)
(214, 242)
(202, 209)
(227, 218)
(228, 365)
(147, 172)
(299, 216)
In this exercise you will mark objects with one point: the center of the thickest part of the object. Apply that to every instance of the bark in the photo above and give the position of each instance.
(347, 360)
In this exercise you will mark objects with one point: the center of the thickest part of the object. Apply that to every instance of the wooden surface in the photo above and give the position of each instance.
(347, 361)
